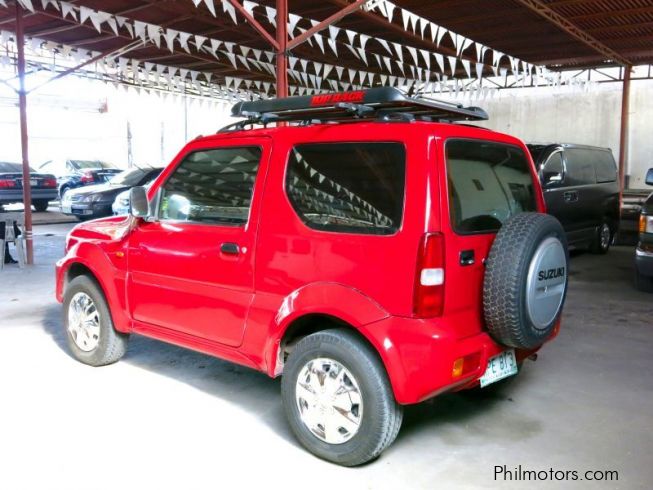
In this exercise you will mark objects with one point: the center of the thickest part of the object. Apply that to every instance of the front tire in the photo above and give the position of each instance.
(338, 399)
(90, 334)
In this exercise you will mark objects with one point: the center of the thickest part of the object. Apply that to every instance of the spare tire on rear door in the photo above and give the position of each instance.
(525, 280)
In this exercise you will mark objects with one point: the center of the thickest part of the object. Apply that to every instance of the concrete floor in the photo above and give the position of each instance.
(167, 418)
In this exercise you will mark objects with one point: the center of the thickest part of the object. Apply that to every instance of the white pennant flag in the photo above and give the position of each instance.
(467, 66)
(320, 41)
(154, 33)
(332, 45)
(292, 23)
(211, 6)
(139, 30)
(413, 53)
(68, 9)
(26, 4)
(84, 13)
(399, 51)
(427, 58)
(183, 41)
(271, 14)
(452, 64)
(249, 6)
(170, 35)
(199, 41)
(230, 9)
(479, 70)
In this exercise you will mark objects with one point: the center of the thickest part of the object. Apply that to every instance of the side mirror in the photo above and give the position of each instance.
(649, 177)
(139, 206)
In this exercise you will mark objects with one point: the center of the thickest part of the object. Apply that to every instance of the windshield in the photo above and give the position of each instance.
(91, 164)
(129, 177)
(12, 167)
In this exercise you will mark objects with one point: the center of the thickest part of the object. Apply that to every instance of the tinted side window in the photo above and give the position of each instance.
(580, 166)
(553, 170)
(348, 187)
(488, 183)
(212, 186)
(606, 168)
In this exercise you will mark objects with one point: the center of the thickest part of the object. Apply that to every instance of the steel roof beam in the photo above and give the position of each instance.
(555, 18)
(332, 19)
(255, 24)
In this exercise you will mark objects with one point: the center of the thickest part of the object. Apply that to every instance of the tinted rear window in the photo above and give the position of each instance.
(605, 166)
(488, 183)
(10, 167)
(348, 187)
(580, 166)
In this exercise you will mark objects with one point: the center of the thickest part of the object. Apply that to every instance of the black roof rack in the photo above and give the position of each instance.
(383, 103)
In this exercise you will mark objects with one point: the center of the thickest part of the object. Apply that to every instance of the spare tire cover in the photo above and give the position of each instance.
(526, 280)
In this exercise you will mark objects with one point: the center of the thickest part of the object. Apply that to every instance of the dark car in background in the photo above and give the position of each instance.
(95, 201)
(44, 186)
(77, 173)
(581, 189)
(644, 250)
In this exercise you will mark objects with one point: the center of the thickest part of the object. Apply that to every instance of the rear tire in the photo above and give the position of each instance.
(90, 334)
(41, 205)
(370, 419)
(603, 239)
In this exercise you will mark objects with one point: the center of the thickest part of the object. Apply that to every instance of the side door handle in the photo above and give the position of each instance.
(230, 248)
(570, 196)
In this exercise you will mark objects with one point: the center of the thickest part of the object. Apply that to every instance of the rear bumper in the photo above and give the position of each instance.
(16, 196)
(419, 356)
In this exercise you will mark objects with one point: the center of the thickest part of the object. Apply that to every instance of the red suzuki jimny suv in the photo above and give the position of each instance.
(365, 246)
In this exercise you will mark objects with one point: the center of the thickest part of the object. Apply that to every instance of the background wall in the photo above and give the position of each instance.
(573, 116)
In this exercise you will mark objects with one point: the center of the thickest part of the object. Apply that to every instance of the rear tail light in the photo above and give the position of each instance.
(7, 183)
(428, 297)
(87, 177)
(645, 224)
(50, 182)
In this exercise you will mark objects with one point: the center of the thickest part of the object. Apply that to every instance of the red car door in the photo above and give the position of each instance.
(191, 268)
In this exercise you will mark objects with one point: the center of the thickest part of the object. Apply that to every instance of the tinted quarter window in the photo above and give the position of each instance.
(580, 166)
(506, 184)
(606, 167)
(212, 186)
(348, 187)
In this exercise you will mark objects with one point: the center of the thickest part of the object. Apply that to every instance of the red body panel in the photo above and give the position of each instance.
(170, 280)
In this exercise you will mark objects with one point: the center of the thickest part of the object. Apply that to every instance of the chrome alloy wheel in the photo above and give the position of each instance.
(605, 236)
(329, 400)
(84, 322)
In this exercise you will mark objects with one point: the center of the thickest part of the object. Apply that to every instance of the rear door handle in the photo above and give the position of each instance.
(570, 196)
(467, 257)
(230, 248)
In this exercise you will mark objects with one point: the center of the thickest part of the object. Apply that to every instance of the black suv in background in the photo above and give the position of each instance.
(644, 250)
(581, 189)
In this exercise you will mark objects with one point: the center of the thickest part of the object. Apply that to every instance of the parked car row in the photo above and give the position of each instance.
(95, 201)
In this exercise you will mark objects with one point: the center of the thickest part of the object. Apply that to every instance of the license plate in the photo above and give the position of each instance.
(499, 367)
(67, 209)
(33, 182)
